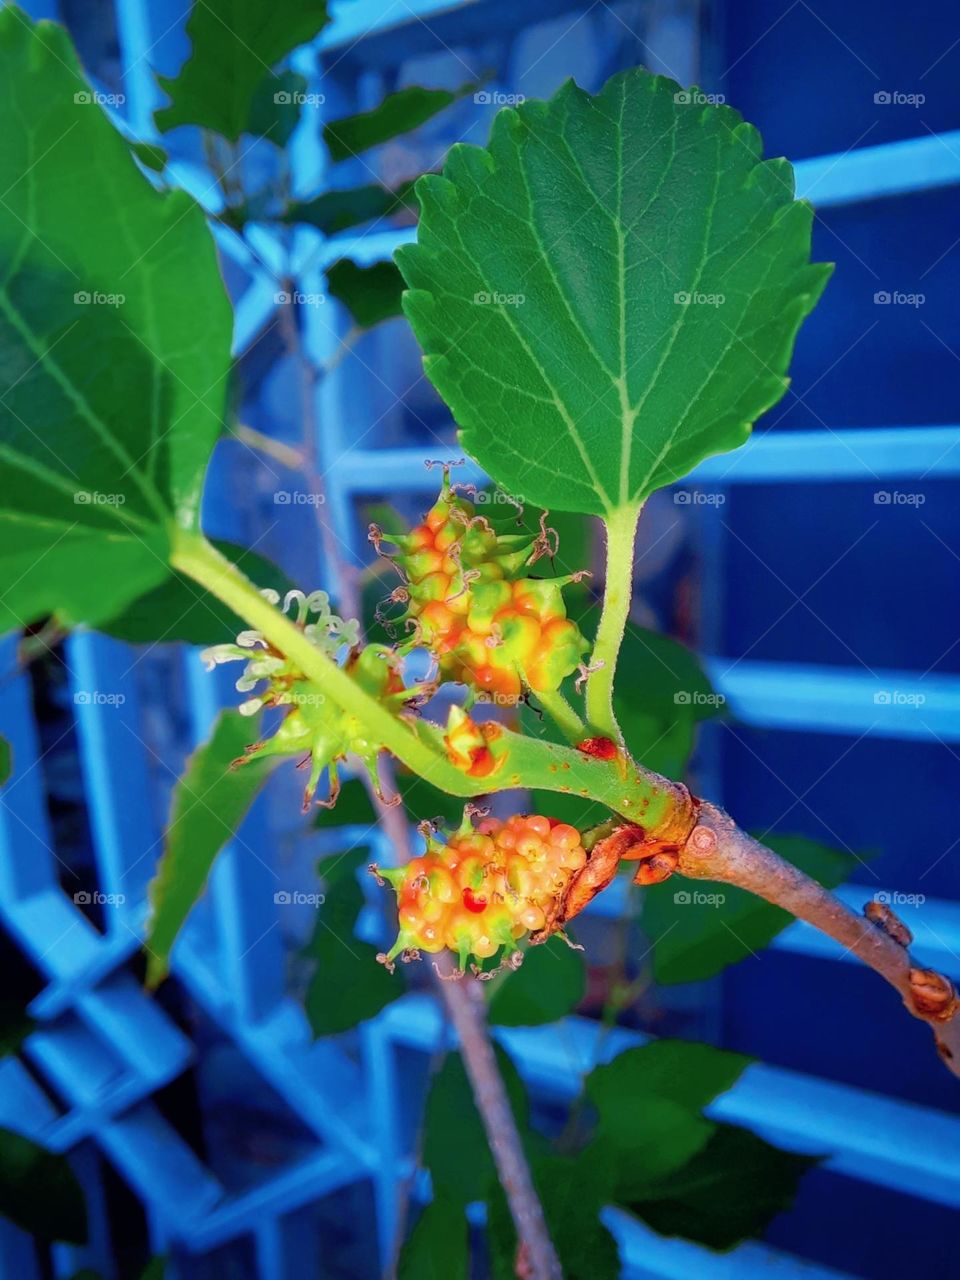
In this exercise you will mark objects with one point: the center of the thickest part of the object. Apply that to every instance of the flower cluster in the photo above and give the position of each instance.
(485, 888)
(488, 624)
(313, 726)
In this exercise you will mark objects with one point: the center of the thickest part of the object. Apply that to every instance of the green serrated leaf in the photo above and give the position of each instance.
(349, 985)
(209, 803)
(39, 1192)
(341, 208)
(370, 294)
(439, 1246)
(549, 984)
(698, 928)
(455, 1148)
(398, 113)
(572, 1199)
(233, 42)
(111, 388)
(179, 610)
(729, 1192)
(548, 285)
(275, 106)
(649, 1102)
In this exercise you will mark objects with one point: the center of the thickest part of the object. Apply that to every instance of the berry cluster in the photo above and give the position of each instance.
(485, 888)
(488, 625)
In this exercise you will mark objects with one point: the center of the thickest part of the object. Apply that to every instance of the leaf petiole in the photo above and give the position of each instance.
(621, 527)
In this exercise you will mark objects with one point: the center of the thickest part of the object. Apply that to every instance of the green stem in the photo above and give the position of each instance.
(195, 557)
(621, 526)
(563, 715)
(624, 787)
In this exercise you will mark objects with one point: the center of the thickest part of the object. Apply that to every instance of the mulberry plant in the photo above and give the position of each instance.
(555, 287)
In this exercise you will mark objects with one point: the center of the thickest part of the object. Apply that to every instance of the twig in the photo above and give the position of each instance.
(463, 1000)
(718, 850)
(275, 449)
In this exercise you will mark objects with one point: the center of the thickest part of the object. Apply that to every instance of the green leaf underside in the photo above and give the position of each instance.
(341, 208)
(6, 760)
(695, 936)
(109, 407)
(398, 113)
(179, 610)
(349, 985)
(272, 118)
(438, 1247)
(234, 43)
(572, 1203)
(543, 283)
(549, 984)
(39, 1192)
(727, 1193)
(209, 803)
(464, 1168)
(371, 294)
(649, 1102)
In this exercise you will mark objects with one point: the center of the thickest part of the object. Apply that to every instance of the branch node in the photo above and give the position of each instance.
(704, 840)
(933, 995)
(880, 914)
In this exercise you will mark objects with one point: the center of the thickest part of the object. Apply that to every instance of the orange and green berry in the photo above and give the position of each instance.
(483, 889)
(488, 624)
(475, 748)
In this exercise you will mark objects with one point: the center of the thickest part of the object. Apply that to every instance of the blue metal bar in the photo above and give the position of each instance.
(847, 700)
(891, 169)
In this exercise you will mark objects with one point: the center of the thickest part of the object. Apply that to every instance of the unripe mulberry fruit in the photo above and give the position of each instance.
(488, 624)
(485, 888)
